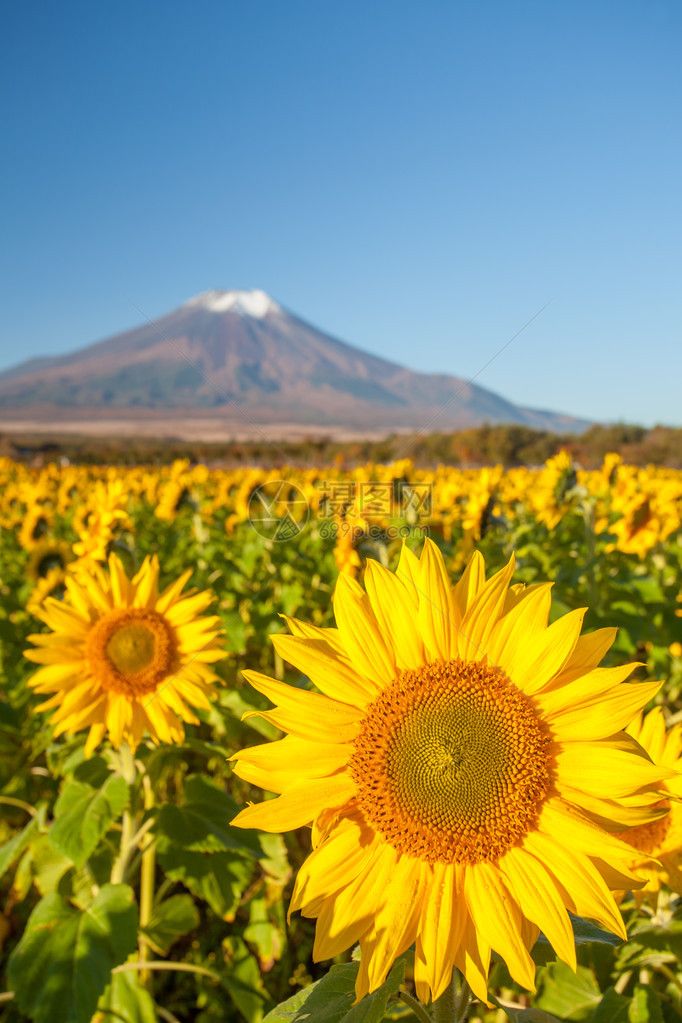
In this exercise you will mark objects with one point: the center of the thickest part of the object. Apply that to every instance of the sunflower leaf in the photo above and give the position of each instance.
(13, 849)
(83, 815)
(521, 1015)
(584, 933)
(613, 1008)
(243, 980)
(650, 945)
(330, 1000)
(170, 920)
(126, 1000)
(219, 878)
(65, 956)
(202, 823)
(568, 995)
(645, 1006)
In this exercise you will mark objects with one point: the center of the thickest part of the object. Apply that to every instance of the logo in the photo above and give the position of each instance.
(278, 510)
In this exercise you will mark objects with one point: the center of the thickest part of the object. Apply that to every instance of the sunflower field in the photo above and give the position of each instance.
(341, 744)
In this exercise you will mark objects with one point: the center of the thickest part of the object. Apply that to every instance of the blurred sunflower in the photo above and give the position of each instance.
(46, 568)
(660, 840)
(461, 769)
(35, 525)
(123, 658)
(47, 556)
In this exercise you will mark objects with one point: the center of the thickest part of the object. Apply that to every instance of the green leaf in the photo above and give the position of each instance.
(127, 1000)
(48, 867)
(64, 960)
(243, 981)
(83, 814)
(263, 933)
(520, 1015)
(218, 878)
(645, 1006)
(169, 921)
(330, 1000)
(202, 823)
(568, 995)
(613, 1008)
(584, 933)
(659, 944)
(13, 849)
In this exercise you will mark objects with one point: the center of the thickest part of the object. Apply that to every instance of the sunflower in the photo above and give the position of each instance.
(461, 769)
(34, 526)
(659, 844)
(123, 658)
(47, 556)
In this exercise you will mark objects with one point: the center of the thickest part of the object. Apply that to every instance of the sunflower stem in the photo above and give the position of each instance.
(453, 1004)
(129, 774)
(417, 1008)
(147, 875)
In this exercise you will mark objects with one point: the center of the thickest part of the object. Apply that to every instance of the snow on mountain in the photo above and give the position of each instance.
(253, 303)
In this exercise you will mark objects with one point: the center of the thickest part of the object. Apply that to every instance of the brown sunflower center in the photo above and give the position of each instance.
(453, 763)
(130, 650)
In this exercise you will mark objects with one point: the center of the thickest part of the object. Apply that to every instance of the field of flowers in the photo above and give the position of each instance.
(137, 612)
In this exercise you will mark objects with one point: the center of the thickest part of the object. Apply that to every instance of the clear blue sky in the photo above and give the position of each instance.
(415, 178)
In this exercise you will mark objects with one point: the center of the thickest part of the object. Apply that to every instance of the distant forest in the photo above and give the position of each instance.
(483, 445)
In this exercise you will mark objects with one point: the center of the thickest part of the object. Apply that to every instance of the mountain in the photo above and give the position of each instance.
(235, 353)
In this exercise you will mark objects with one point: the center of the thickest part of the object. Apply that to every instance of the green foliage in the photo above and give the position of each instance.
(330, 1000)
(64, 960)
(215, 898)
(82, 815)
(169, 921)
(568, 995)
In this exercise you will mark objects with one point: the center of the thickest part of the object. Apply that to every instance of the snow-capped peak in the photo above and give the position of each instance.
(245, 303)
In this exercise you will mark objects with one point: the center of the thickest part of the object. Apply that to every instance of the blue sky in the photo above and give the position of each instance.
(417, 179)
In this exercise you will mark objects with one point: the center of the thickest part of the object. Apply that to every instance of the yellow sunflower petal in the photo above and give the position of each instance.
(498, 918)
(541, 901)
(336, 678)
(307, 715)
(394, 611)
(298, 806)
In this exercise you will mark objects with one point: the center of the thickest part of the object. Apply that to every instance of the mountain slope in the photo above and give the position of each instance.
(228, 349)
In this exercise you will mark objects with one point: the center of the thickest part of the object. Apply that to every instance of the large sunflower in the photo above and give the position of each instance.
(461, 768)
(123, 658)
(659, 844)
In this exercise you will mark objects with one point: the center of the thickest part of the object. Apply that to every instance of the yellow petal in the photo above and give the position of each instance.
(442, 926)
(583, 888)
(333, 865)
(598, 717)
(482, 614)
(308, 715)
(472, 580)
(528, 617)
(299, 805)
(276, 765)
(438, 617)
(335, 677)
(394, 611)
(545, 655)
(496, 914)
(360, 634)
(588, 652)
(537, 894)
(395, 925)
(605, 772)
